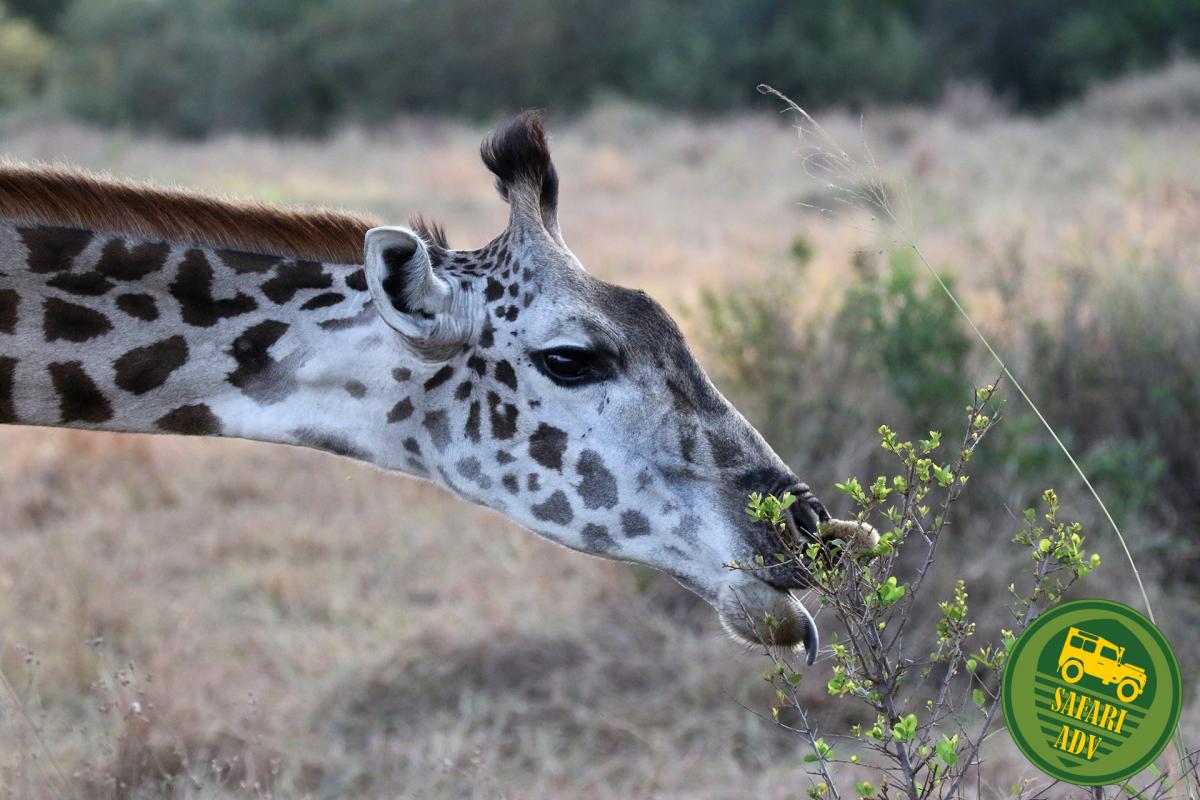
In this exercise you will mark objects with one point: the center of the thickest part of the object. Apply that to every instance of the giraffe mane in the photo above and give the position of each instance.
(70, 197)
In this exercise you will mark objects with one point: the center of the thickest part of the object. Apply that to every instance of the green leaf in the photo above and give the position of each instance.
(906, 729)
(947, 750)
(890, 592)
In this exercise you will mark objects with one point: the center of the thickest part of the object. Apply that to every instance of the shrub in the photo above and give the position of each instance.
(902, 324)
(809, 378)
(24, 55)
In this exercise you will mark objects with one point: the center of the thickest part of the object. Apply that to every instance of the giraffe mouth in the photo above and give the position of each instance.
(756, 613)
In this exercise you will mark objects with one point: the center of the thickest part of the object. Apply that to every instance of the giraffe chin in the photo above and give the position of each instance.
(743, 608)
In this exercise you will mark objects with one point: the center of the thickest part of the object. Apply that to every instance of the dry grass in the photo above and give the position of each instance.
(292, 624)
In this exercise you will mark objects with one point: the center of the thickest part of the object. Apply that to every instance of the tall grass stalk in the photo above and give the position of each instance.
(59, 788)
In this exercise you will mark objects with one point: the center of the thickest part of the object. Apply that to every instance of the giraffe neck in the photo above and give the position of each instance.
(103, 331)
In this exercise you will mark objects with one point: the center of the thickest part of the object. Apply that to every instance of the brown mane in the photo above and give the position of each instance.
(64, 196)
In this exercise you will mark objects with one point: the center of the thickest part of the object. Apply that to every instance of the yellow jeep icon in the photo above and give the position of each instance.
(1094, 655)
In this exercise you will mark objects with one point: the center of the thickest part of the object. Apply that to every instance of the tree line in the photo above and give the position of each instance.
(192, 67)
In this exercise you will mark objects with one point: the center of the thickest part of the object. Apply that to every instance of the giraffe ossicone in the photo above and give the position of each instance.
(506, 374)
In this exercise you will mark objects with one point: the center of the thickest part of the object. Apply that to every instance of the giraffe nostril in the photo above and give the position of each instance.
(807, 512)
(805, 519)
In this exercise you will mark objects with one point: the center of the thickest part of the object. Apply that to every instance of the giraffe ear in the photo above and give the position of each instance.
(423, 307)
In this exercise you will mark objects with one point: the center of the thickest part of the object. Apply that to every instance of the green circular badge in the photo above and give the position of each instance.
(1092, 692)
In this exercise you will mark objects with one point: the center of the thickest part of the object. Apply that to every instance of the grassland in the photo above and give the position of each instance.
(226, 619)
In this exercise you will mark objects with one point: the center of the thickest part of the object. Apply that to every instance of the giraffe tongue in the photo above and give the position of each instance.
(812, 640)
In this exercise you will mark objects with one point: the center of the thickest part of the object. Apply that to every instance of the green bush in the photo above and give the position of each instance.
(811, 379)
(24, 55)
(903, 324)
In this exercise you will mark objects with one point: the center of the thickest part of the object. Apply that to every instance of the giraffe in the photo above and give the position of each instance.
(508, 374)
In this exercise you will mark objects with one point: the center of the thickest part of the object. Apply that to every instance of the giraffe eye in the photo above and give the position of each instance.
(572, 366)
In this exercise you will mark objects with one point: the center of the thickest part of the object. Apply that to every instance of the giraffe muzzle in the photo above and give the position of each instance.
(757, 613)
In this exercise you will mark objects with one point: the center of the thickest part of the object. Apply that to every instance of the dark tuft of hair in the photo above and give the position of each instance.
(432, 232)
(518, 155)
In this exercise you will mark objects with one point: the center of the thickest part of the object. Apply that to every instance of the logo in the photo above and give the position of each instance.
(1092, 692)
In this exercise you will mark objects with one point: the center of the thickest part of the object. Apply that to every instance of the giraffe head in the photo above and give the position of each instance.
(575, 407)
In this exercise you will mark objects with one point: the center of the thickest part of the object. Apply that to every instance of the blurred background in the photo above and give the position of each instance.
(224, 619)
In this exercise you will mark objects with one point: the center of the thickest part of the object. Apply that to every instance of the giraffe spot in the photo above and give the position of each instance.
(84, 284)
(192, 287)
(478, 364)
(686, 529)
(494, 290)
(53, 249)
(293, 277)
(401, 374)
(74, 323)
(760, 479)
(412, 446)
(8, 409)
(329, 442)
(533, 482)
(323, 300)
(439, 429)
(724, 450)
(696, 392)
(547, 445)
(251, 352)
(247, 263)
(634, 523)
(503, 416)
(132, 264)
(597, 540)
(511, 484)
(687, 446)
(472, 470)
(140, 306)
(680, 555)
(79, 400)
(556, 508)
(441, 376)
(471, 431)
(190, 420)
(597, 487)
(146, 368)
(400, 412)
(357, 281)
(450, 484)
(506, 375)
(9, 300)
(356, 389)
(365, 315)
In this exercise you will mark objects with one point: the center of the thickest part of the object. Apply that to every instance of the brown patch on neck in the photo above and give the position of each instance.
(56, 195)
